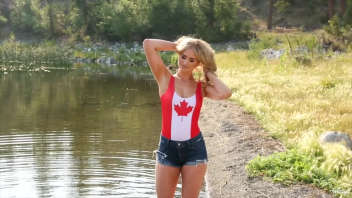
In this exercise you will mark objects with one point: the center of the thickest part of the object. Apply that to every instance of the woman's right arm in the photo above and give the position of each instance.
(152, 47)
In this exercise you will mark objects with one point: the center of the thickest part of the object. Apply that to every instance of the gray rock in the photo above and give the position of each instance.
(108, 61)
(88, 60)
(229, 48)
(228, 127)
(336, 137)
(101, 60)
(272, 54)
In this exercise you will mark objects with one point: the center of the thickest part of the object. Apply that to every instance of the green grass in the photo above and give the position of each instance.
(296, 103)
(19, 56)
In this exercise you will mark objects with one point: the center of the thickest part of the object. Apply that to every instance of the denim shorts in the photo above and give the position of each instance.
(180, 153)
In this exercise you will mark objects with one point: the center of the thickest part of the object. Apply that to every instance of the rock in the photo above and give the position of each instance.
(113, 61)
(228, 127)
(88, 60)
(229, 48)
(101, 60)
(272, 54)
(336, 137)
(108, 61)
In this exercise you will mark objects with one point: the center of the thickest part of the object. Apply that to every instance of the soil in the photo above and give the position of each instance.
(233, 137)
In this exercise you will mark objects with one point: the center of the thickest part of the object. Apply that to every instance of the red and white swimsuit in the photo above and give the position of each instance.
(180, 115)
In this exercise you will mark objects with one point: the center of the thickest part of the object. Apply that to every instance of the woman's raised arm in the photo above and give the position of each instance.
(152, 47)
(216, 89)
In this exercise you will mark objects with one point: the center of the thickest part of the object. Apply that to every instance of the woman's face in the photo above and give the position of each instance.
(187, 60)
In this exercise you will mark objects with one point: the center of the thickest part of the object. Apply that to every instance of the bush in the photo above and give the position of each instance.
(338, 34)
(256, 46)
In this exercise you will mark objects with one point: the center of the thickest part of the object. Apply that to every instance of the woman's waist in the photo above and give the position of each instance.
(197, 138)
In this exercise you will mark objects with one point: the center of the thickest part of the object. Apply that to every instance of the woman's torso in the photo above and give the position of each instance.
(180, 114)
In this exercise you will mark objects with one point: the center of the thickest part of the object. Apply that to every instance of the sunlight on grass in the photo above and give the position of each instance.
(295, 100)
(297, 103)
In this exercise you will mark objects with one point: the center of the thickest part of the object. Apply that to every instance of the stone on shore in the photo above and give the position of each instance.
(336, 137)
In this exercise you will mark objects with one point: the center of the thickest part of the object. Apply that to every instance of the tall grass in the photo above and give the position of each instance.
(296, 103)
(15, 55)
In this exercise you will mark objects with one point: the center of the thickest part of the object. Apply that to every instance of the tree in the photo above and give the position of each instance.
(88, 14)
(25, 16)
(208, 9)
(331, 8)
(270, 15)
(343, 7)
(51, 16)
(5, 9)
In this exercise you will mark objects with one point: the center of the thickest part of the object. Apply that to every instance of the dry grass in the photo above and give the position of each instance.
(291, 100)
(297, 103)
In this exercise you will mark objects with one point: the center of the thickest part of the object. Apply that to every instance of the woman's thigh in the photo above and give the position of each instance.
(166, 180)
(192, 179)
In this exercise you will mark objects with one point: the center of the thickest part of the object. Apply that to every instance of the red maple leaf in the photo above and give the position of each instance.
(183, 109)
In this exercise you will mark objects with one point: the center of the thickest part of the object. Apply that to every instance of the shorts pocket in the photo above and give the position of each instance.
(160, 155)
(162, 151)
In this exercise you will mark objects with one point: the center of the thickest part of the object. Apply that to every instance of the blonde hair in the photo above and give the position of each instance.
(202, 50)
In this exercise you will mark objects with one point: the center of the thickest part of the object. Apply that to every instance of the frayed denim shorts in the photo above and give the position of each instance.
(180, 153)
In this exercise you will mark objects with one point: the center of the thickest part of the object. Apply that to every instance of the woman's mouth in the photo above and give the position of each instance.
(183, 67)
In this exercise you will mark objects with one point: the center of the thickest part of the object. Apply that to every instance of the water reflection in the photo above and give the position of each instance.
(76, 135)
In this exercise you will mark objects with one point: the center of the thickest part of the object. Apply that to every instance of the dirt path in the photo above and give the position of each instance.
(233, 138)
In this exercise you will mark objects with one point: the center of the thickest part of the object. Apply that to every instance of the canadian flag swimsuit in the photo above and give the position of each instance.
(180, 115)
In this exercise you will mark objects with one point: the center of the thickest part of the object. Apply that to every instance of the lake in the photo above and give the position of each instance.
(78, 134)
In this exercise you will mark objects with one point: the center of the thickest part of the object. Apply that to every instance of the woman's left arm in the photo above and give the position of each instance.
(216, 89)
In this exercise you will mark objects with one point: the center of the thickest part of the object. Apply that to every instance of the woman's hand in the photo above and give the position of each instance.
(210, 77)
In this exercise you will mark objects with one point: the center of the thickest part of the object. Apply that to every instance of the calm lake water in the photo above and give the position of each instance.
(73, 134)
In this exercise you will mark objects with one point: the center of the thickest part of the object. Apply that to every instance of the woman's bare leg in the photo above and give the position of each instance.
(166, 180)
(192, 180)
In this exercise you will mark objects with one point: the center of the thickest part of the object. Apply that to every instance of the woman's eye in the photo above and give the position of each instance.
(191, 60)
(183, 57)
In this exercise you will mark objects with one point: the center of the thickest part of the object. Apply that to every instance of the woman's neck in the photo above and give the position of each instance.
(184, 75)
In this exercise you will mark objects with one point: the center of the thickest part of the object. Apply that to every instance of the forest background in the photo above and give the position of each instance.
(134, 20)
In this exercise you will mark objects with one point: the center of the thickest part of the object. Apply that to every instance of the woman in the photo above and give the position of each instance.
(182, 149)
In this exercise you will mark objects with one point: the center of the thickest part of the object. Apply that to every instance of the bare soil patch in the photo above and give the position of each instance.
(233, 138)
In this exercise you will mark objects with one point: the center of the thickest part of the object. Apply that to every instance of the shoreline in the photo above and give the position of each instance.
(233, 138)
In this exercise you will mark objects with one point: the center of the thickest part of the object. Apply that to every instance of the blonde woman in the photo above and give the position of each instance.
(182, 149)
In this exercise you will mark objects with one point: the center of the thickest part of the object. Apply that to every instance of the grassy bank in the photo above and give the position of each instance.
(296, 101)
(20, 56)
(103, 57)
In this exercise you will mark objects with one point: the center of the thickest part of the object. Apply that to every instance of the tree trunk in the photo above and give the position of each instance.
(270, 15)
(331, 5)
(51, 18)
(67, 7)
(342, 7)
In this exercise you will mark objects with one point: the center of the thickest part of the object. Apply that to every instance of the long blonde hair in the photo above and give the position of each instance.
(202, 50)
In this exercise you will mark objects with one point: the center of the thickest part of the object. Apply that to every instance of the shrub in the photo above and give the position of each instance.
(338, 34)
(256, 46)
